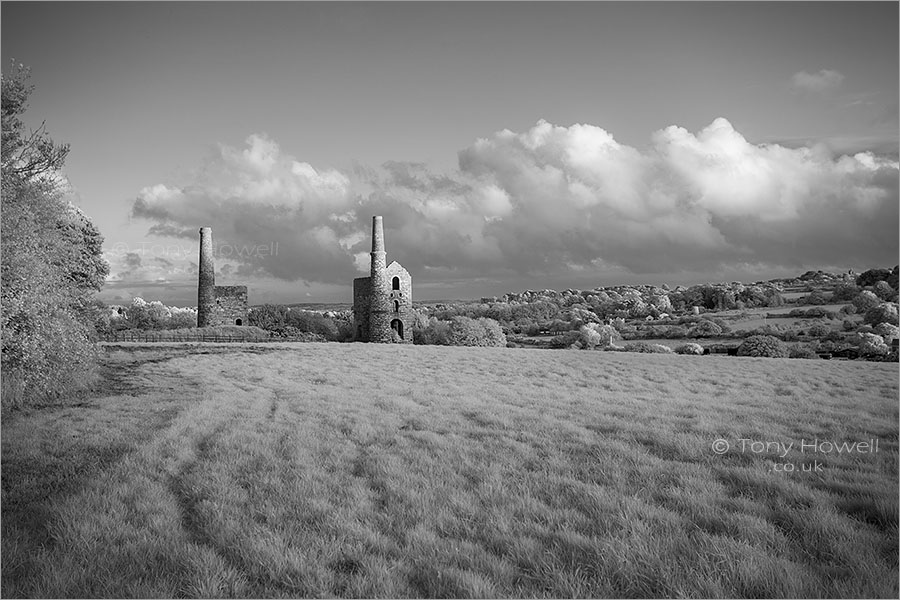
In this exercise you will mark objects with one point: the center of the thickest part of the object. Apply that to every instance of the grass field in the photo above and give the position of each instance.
(295, 470)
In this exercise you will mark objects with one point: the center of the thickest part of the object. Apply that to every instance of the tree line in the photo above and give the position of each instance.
(52, 263)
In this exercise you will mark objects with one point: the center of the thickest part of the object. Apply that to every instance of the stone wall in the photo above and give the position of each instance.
(231, 305)
(361, 309)
(400, 297)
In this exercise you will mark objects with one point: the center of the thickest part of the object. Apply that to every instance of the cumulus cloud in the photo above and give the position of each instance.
(548, 200)
(824, 80)
(269, 212)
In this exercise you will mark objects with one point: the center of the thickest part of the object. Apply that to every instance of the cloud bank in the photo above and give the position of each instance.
(824, 80)
(551, 199)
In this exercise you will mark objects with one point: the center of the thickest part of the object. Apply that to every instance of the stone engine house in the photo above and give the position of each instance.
(217, 304)
(382, 302)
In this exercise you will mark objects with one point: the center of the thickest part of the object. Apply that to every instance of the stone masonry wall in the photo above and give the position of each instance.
(400, 298)
(231, 305)
(361, 309)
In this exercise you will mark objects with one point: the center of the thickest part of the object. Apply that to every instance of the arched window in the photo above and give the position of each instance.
(396, 306)
(238, 322)
(395, 283)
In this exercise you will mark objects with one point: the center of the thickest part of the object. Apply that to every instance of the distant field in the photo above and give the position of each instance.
(354, 470)
(757, 317)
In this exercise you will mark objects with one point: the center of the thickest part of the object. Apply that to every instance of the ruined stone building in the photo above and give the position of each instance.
(217, 304)
(382, 302)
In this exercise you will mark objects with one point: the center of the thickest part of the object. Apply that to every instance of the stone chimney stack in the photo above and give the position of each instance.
(379, 312)
(206, 289)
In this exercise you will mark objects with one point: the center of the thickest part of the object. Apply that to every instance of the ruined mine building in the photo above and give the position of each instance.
(217, 304)
(382, 302)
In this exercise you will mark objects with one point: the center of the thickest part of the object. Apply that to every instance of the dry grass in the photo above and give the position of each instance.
(365, 470)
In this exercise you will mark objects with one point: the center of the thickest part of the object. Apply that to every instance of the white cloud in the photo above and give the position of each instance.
(254, 198)
(824, 80)
(548, 200)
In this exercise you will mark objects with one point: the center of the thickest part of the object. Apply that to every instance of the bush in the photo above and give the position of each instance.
(270, 317)
(675, 333)
(312, 322)
(883, 290)
(588, 337)
(803, 351)
(770, 330)
(819, 330)
(865, 300)
(689, 348)
(892, 356)
(433, 332)
(883, 313)
(872, 276)
(44, 358)
(593, 335)
(844, 292)
(815, 297)
(566, 340)
(705, 328)
(888, 332)
(647, 348)
(52, 264)
(154, 315)
(871, 345)
(812, 313)
(465, 331)
(182, 318)
(293, 334)
(763, 346)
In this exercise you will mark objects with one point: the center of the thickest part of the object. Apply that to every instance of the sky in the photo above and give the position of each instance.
(508, 145)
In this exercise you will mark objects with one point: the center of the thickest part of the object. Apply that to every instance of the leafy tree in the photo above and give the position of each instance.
(883, 313)
(818, 330)
(888, 332)
(312, 322)
(470, 332)
(431, 331)
(872, 276)
(25, 155)
(271, 317)
(815, 297)
(182, 318)
(148, 315)
(844, 292)
(865, 300)
(883, 290)
(871, 344)
(51, 262)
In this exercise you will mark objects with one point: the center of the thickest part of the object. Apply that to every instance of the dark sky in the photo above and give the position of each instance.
(508, 145)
